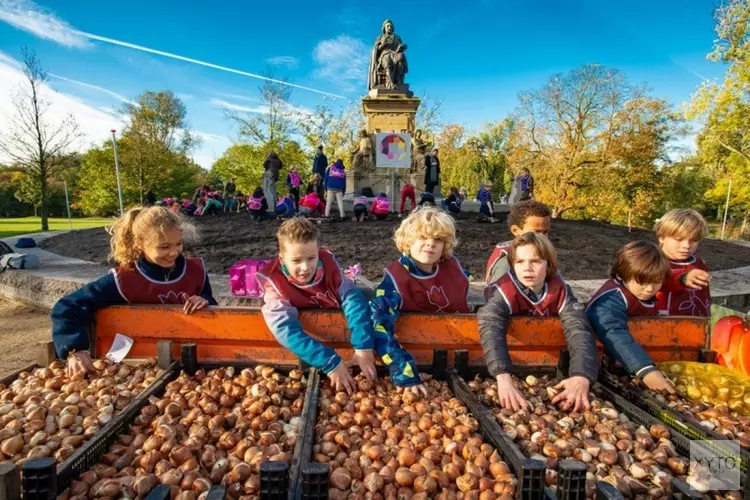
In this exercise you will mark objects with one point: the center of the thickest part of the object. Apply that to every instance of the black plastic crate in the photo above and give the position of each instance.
(682, 423)
(571, 480)
(39, 479)
(314, 482)
(274, 481)
(90, 453)
(306, 436)
(530, 473)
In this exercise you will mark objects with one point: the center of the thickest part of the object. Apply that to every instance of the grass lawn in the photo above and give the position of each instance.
(27, 225)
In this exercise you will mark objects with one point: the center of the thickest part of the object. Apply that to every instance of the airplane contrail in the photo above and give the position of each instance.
(129, 45)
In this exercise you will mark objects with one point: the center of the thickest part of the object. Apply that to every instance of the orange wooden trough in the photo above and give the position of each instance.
(240, 334)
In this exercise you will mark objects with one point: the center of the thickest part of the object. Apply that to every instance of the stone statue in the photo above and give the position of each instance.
(388, 64)
(418, 148)
(362, 159)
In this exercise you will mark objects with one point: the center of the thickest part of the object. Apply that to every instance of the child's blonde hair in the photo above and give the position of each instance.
(138, 227)
(682, 223)
(544, 249)
(425, 223)
(296, 230)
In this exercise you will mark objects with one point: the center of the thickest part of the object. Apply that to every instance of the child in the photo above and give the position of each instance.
(486, 207)
(285, 207)
(527, 217)
(532, 287)
(241, 201)
(310, 204)
(636, 276)
(686, 292)
(335, 183)
(201, 207)
(316, 186)
(147, 244)
(407, 193)
(304, 276)
(427, 200)
(257, 205)
(453, 203)
(360, 207)
(381, 208)
(427, 278)
(462, 194)
(293, 181)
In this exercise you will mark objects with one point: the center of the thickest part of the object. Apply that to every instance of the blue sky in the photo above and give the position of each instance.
(475, 58)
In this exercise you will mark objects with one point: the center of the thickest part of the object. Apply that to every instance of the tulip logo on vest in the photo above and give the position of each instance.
(694, 306)
(325, 299)
(173, 298)
(436, 296)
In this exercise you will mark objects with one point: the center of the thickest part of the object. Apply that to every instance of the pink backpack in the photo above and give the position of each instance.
(242, 278)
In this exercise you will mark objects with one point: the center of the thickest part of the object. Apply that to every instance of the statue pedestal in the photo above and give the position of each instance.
(390, 113)
(387, 111)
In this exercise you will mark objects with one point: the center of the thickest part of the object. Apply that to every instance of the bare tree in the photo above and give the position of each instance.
(274, 122)
(33, 142)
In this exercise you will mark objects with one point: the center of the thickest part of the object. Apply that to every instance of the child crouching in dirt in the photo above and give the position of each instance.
(147, 244)
(487, 206)
(427, 278)
(532, 287)
(381, 207)
(360, 207)
(305, 276)
(285, 207)
(639, 270)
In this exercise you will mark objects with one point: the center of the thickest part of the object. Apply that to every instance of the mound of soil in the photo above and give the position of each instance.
(585, 248)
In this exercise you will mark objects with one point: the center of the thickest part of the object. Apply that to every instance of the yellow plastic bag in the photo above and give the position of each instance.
(710, 383)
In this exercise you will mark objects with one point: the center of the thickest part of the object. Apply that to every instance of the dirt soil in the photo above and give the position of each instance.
(585, 248)
(21, 327)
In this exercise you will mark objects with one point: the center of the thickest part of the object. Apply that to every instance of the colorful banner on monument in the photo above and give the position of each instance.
(393, 150)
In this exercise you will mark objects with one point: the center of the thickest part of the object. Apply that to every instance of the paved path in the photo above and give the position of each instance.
(58, 275)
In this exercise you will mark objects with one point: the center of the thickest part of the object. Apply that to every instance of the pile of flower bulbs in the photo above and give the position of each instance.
(207, 429)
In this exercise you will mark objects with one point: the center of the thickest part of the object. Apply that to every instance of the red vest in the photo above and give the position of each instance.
(320, 294)
(445, 290)
(500, 251)
(687, 302)
(137, 288)
(553, 299)
(635, 306)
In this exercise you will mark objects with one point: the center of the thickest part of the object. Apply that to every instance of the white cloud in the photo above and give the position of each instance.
(286, 61)
(27, 16)
(209, 137)
(185, 97)
(5, 58)
(95, 124)
(117, 96)
(343, 61)
(238, 96)
(221, 103)
(205, 161)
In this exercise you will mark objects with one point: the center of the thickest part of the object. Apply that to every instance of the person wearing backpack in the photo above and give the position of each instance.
(147, 244)
(293, 182)
(335, 183)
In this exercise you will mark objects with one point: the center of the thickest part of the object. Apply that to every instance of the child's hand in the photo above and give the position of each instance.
(575, 392)
(194, 303)
(697, 279)
(656, 381)
(80, 363)
(341, 379)
(366, 360)
(509, 396)
(419, 390)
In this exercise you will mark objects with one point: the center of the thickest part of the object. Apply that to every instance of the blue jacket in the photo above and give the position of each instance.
(338, 183)
(282, 318)
(385, 309)
(320, 164)
(609, 317)
(285, 209)
(72, 315)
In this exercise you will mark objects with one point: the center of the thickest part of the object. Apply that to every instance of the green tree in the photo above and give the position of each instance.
(33, 142)
(244, 164)
(335, 130)
(724, 108)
